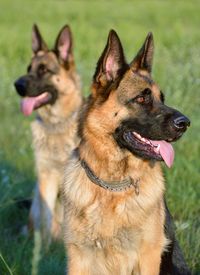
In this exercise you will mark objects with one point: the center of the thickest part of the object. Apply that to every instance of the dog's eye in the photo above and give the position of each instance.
(42, 69)
(146, 95)
(143, 98)
(140, 99)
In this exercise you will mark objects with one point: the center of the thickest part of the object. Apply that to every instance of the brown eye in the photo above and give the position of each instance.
(140, 99)
(42, 69)
(143, 98)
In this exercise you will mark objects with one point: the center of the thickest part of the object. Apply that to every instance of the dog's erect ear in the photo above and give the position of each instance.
(63, 45)
(144, 58)
(38, 43)
(111, 62)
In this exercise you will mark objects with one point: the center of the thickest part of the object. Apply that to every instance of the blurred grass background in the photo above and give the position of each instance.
(175, 25)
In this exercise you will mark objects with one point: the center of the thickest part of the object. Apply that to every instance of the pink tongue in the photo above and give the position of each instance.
(166, 151)
(28, 104)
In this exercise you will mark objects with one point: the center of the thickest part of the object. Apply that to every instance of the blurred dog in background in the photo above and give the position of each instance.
(51, 87)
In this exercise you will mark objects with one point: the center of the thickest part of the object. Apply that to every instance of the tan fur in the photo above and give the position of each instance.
(101, 223)
(54, 138)
(108, 232)
(55, 129)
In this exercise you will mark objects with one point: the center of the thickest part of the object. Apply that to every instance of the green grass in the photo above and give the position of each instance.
(175, 25)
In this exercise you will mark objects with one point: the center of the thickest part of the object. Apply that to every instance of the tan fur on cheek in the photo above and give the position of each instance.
(108, 121)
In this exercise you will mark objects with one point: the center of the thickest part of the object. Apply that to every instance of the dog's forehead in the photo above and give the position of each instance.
(135, 82)
(47, 58)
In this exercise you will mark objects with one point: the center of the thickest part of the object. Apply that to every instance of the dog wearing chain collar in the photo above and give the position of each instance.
(52, 88)
(114, 209)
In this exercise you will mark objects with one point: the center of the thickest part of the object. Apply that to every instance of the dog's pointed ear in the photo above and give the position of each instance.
(63, 45)
(111, 62)
(144, 58)
(38, 44)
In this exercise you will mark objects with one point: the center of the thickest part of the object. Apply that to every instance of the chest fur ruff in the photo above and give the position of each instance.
(99, 219)
(53, 146)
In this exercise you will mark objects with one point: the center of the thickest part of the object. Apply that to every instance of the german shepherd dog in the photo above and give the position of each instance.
(114, 210)
(52, 88)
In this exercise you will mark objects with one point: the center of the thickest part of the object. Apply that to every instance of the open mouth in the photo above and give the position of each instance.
(152, 149)
(28, 104)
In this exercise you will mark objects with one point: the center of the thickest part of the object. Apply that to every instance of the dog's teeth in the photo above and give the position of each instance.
(157, 149)
(137, 135)
(143, 139)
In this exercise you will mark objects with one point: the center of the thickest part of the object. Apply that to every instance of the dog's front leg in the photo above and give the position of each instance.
(49, 182)
(150, 259)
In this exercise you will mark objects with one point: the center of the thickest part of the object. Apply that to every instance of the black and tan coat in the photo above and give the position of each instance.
(120, 232)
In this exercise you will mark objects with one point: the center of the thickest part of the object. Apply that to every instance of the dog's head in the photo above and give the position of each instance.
(127, 106)
(51, 73)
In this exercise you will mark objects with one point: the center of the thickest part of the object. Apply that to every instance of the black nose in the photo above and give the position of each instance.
(181, 123)
(20, 86)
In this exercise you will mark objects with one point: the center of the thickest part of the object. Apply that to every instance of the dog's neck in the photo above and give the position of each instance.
(118, 170)
(114, 186)
(60, 126)
(110, 163)
(60, 113)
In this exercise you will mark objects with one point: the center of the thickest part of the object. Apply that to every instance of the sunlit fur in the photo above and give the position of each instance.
(108, 232)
